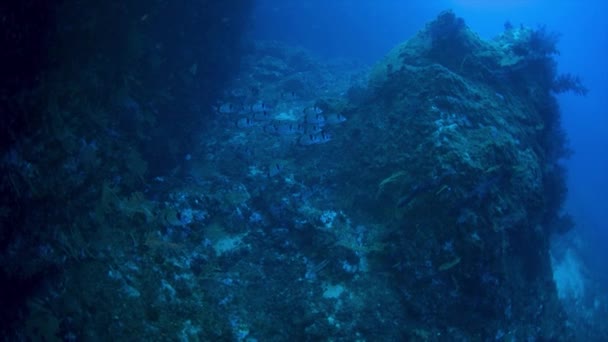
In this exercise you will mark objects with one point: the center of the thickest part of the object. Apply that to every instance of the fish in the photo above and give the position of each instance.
(289, 96)
(193, 69)
(315, 119)
(271, 129)
(422, 187)
(334, 118)
(415, 191)
(259, 107)
(238, 92)
(312, 129)
(275, 169)
(314, 139)
(245, 123)
(228, 108)
(262, 116)
(313, 110)
(285, 128)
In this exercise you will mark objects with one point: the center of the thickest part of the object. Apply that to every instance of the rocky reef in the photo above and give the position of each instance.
(456, 151)
(424, 212)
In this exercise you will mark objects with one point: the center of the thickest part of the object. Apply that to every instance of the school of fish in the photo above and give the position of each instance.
(305, 124)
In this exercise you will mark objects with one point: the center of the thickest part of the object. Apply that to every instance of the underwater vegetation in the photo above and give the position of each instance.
(193, 188)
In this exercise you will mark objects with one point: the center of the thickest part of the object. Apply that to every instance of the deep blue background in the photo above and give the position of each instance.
(366, 30)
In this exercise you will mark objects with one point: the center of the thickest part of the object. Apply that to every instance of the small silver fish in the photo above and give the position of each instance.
(238, 92)
(262, 116)
(245, 123)
(315, 119)
(314, 139)
(313, 110)
(275, 168)
(270, 129)
(334, 118)
(285, 128)
(312, 129)
(289, 96)
(260, 106)
(227, 108)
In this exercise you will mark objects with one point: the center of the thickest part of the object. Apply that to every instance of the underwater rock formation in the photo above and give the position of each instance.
(456, 150)
(424, 215)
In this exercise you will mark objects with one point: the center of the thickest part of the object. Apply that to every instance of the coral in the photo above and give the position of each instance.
(447, 27)
(568, 82)
(137, 204)
(542, 42)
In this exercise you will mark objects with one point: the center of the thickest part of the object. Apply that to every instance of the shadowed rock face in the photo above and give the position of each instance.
(133, 72)
(172, 57)
(24, 41)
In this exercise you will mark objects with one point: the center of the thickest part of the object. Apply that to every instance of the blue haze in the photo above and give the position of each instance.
(366, 30)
